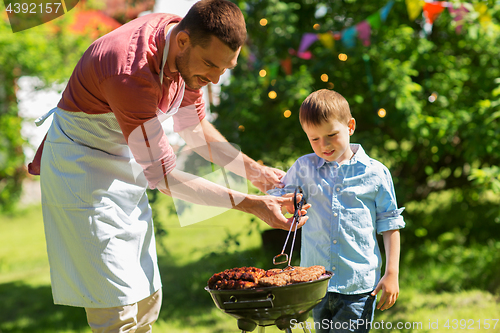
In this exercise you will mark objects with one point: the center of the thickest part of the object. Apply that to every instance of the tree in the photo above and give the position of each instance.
(438, 131)
(49, 52)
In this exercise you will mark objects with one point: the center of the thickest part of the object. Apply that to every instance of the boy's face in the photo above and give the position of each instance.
(330, 140)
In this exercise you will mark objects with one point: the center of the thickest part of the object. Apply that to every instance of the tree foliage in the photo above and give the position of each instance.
(440, 92)
(50, 52)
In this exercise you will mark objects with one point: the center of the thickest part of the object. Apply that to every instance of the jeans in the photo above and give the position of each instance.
(338, 313)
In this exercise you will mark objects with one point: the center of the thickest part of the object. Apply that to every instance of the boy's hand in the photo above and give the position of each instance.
(265, 178)
(390, 291)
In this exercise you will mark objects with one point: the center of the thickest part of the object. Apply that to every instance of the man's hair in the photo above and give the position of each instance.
(220, 18)
(322, 106)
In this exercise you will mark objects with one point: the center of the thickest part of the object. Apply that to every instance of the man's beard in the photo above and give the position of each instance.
(182, 64)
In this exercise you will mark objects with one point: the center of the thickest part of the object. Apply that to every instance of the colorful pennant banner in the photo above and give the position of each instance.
(363, 30)
(430, 10)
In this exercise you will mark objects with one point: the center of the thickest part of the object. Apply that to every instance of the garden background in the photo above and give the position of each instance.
(423, 82)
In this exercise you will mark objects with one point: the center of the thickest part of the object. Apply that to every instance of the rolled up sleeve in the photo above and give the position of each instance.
(391, 220)
(388, 215)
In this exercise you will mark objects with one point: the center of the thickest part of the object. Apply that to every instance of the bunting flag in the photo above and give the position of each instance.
(458, 15)
(305, 55)
(286, 64)
(349, 37)
(307, 40)
(432, 10)
(384, 12)
(327, 39)
(374, 20)
(273, 70)
(364, 32)
(414, 8)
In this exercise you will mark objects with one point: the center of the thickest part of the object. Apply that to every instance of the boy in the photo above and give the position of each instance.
(352, 198)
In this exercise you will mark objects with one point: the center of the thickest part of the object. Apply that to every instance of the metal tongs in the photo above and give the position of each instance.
(295, 221)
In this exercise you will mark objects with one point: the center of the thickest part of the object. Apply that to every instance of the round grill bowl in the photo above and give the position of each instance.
(265, 306)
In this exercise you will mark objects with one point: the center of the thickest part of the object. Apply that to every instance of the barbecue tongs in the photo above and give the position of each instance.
(283, 257)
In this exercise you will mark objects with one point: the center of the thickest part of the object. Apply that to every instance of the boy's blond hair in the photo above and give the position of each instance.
(324, 105)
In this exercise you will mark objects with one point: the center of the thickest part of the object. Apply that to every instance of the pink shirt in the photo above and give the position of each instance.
(119, 73)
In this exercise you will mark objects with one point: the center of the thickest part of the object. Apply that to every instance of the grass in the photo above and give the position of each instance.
(188, 257)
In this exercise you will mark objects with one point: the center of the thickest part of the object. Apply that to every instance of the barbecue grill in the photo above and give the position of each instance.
(283, 306)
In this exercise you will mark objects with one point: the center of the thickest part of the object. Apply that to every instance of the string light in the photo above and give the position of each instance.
(433, 97)
(343, 57)
(382, 113)
(287, 113)
(241, 128)
(263, 22)
(262, 73)
(272, 94)
(324, 77)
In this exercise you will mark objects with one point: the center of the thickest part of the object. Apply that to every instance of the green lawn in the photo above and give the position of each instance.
(188, 257)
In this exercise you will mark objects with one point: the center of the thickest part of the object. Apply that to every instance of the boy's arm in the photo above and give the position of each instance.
(389, 282)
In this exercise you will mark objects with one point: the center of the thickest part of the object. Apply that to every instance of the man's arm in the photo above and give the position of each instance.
(389, 282)
(197, 190)
(209, 143)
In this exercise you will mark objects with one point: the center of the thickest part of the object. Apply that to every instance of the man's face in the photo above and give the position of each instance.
(198, 66)
(330, 140)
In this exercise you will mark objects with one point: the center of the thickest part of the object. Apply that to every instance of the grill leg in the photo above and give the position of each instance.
(246, 325)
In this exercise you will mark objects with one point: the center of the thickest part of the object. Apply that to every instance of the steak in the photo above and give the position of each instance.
(236, 278)
(251, 277)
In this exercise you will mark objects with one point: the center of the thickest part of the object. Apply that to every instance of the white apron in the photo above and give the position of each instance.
(98, 222)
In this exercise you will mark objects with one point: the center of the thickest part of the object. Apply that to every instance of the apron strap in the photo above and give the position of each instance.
(180, 94)
(34, 166)
(42, 119)
(165, 53)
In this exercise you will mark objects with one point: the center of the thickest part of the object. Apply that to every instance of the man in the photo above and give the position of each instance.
(98, 225)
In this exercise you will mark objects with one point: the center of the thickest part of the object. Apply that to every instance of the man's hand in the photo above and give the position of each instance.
(290, 208)
(269, 209)
(390, 291)
(266, 178)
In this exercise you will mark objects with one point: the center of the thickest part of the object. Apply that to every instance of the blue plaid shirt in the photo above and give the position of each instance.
(350, 204)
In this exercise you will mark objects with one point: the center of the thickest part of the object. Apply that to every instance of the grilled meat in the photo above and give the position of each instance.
(275, 279)
(236, 278)
(251, 277)
(307, 274)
